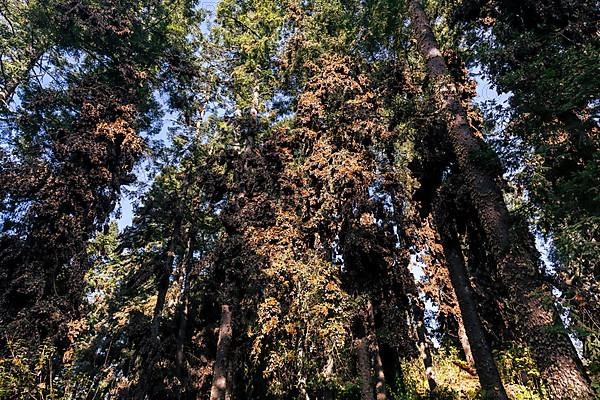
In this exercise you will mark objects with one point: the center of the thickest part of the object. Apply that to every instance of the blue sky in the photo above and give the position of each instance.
(485, 92)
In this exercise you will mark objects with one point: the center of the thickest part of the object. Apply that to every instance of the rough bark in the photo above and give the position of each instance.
(464, 342)
(230, 387)
(364, 369)
(552, 350)
(219, 385)
(380, 393)
(422, 343)
(486, 368)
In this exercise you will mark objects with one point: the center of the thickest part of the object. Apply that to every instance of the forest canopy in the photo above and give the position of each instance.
(324, 205)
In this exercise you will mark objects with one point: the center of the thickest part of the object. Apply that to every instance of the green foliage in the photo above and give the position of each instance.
(15, 373)
(545, 55)
(587, 332)
(453, 382)
(304, 154)
(28, 373)
(310, 308)
(519, 372)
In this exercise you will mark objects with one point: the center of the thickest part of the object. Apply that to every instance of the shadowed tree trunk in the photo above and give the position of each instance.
(555, 356)
(183, 304)
(364, 369)
(422, 343)
(162, 283)
(416, 315)
(230, 388)
(163, 280)
(219, 385)
(167, 268)
(379, 374)
(489, 378)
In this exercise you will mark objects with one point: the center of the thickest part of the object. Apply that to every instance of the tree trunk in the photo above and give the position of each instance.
(183, 316)
(380, 393)
(555, 356)
(364, 369)
(219, 385)
(163, 280)
(183, 304)
(167, 268)
(379, 374)
(230, 387)
(422, 343)
(486, 368)
(464, 341)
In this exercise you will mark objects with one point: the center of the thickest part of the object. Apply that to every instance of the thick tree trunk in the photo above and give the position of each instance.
(380, 393)
(552, 350)
(162, 288)
(464, 342)
(486, 368)
(422, 343)
(163, 281)
(219, 385)
(363, 365)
